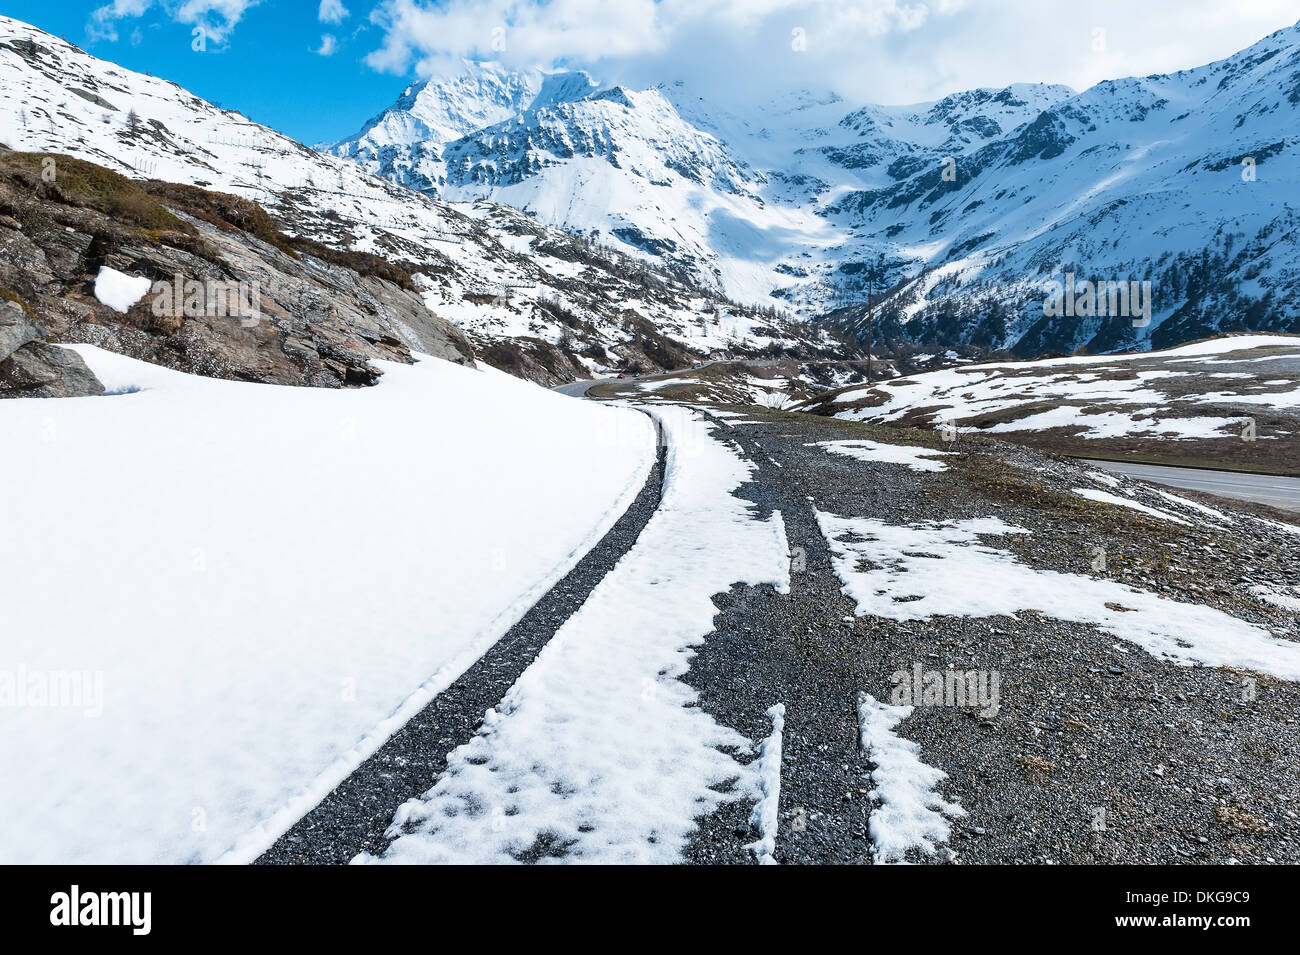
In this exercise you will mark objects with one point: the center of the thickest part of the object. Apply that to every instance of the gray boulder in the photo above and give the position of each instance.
(16, 329)
(40, 370)
(31, 368)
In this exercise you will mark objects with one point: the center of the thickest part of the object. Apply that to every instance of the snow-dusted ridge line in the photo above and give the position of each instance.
(596, 754)
(1114, 182)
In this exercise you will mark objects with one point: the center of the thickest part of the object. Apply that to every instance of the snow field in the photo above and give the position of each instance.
(268, 581)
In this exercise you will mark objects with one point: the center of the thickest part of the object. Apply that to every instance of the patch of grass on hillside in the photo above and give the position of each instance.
(235, 214)
(85, 184)
(363, 263)
(80, 183)
(225, 211)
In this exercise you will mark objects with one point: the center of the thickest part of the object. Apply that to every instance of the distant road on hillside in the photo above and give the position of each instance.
(1281, 492)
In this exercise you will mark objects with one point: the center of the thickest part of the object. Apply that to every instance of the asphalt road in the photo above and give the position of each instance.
(1280, 492)
(575, 389)
(578, 389)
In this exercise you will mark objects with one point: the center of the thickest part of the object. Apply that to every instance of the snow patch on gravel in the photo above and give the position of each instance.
(915, 572)
(1102, 497)
(1192, 505)
(918, 459)
(1288, 598)
(768, 778)
(911, 814)
(599, 752)
(1101, 477)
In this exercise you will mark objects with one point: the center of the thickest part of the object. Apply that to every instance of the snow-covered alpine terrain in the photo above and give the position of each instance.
(1231, 400)
(961, 212)
(516, 482)
(564, 307)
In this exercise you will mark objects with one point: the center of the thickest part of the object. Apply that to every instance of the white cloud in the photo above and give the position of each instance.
(332, 11)
(101, 25)
(884, 51)
(327, 45)
(522, 32)
(217, 17)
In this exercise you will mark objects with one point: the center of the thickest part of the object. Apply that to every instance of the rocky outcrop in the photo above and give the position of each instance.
(16, 329)
(30, 367)
(232, 297)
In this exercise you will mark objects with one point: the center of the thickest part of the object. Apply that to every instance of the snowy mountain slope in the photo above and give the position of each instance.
(1187, 181)
(617, 164)
(663, 172)
(535, 300)
(964, 210)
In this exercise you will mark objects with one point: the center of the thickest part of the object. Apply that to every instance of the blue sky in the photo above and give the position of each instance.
(268, 66)
(317, 69)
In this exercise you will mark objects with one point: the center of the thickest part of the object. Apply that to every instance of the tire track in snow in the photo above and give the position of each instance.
(353, 817)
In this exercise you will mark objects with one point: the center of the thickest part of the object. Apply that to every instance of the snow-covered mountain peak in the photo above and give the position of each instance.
(439, 110)
(542, 303)
(963, 207)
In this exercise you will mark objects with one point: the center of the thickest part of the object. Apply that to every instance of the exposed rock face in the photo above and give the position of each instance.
(226, 302)
(16, 329)
(31, 368)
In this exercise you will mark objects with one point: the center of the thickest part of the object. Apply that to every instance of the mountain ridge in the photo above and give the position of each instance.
(962, 211)
(539, 302)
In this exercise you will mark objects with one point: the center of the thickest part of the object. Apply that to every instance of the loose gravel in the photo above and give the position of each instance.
(1099, 753)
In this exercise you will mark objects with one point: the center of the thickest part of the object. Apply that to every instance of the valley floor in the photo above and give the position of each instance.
(1109, 741)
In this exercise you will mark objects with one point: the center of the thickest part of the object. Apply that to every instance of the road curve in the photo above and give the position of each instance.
(1277, 491)
(576, 389)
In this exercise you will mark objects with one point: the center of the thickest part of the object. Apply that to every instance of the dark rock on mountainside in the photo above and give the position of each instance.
(32, 368)
(233, 297)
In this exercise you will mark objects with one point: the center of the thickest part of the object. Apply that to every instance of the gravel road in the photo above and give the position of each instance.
(1099, 753)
